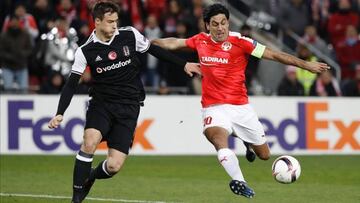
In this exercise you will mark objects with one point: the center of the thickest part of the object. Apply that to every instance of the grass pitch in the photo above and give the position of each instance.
(181, 179)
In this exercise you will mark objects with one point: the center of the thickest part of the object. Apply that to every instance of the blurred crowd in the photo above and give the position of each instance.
(39, 38)
(332, 27)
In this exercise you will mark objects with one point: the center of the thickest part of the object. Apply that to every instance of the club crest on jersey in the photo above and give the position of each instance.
(112, 55)
(126, 51)
(226, 46)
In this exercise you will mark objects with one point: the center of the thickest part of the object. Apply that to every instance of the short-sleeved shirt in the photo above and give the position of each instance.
(223, 67)
(114, 66)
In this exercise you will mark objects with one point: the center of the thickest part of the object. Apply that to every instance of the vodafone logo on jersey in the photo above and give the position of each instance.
(226, 46)
(112, 55)
(113, 66)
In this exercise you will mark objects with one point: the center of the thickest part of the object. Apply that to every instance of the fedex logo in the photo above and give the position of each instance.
(65, 130)
(307, 127)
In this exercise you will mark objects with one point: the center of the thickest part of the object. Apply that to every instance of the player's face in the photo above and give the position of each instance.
(107, 26)
(218, 27)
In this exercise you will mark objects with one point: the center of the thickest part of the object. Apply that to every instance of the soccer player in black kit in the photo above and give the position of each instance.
(115, 96)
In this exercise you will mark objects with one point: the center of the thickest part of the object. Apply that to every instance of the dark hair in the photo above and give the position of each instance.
(214, 10)
(102, 7)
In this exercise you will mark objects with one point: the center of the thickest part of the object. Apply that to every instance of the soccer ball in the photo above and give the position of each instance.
(286, 169)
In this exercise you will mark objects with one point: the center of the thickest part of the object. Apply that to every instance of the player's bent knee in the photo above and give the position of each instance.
(114, 167)
(264, 156)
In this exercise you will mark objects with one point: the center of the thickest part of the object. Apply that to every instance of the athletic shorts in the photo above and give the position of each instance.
(116, 122)
(238, 120)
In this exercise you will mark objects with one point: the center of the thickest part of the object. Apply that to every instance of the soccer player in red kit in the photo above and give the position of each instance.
(223, 57)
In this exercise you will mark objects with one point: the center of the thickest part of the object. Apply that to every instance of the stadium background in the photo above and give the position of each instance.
(174, 162)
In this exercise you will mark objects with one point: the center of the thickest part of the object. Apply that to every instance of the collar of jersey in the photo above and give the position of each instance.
(106, 43)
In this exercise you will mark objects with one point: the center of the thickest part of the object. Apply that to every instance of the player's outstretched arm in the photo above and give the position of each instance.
(170, 43)
(162, 54)
(282, 57)
(65, 99)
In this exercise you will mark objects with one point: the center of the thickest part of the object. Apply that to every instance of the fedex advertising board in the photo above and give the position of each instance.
(171, 125)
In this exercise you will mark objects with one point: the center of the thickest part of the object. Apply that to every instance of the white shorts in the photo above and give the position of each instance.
(238, 120)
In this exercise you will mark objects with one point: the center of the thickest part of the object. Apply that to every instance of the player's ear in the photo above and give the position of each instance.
(207, 27)
(97, 21)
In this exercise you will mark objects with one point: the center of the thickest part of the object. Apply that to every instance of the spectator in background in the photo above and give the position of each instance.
(152, 31)
(339, 20)
(325, 85)
(15, 47)
(43, 12)
(53, 85)
(348, 52)
(312, 38)
(85, 7)
(155, 7)
(306, 78)
(193, 14)
(26, 20)
(60, 48)
(320, 14)
(66, 10)
(351, 88)
(294, 17)
(172, 15)
(290, 85)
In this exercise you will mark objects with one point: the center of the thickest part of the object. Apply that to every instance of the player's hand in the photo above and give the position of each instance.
(55, 122)
(191, 68)
(316, 67)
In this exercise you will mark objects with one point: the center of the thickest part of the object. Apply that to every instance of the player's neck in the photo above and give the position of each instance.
(217, 40)
(102, 37)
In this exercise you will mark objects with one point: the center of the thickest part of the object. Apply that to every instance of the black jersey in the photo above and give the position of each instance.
(114, 66)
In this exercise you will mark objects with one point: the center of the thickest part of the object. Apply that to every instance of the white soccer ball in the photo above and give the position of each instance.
(286, 169)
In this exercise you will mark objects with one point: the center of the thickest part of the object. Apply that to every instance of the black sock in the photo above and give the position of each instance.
(81, 169)
(246, 145)
(101, 172)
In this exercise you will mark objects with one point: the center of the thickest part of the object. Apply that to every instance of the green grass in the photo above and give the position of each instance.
(183, 179)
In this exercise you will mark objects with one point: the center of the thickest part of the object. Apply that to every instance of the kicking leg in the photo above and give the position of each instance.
(262, 151)
(105, 169)
(228, 159)
(250, 154)
(83, 162)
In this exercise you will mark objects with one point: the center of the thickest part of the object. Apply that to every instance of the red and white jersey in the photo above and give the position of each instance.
(223, 67)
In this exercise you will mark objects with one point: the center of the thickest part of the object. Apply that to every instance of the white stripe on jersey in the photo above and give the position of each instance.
(142, 43)
(259, 48)
(80, 62)
(237, 34)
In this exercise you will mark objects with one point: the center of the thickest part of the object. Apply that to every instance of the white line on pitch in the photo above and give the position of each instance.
(67, 197)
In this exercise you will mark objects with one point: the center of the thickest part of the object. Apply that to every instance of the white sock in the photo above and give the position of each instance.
(230, 162)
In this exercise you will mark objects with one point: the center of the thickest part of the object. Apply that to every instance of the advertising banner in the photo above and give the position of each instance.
(172, 125)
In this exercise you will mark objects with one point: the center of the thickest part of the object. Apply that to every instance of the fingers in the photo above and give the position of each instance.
(189, 73)
(191, 68)
(54, 122)
(325, 66)
(321, 67)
